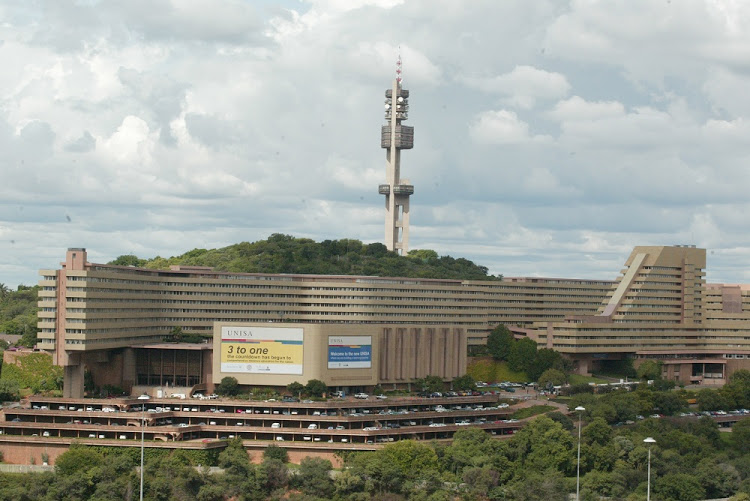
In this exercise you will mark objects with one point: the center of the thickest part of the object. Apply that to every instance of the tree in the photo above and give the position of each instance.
(522, 355)
(597, 431)
(678, 487)
(376, 250)
(545, 359)
(314, 477)
(9, 390)
(295, 388)
(711, 400)
(553, 377)
(543, 444)
(534, 486)
(719, 479)
(380, 476)
(175, 335)
(429, 383)
(465, 382)
(412, 458)
(741, 434)
(77, 460)
(316, 388)
(273, 451)
(229, 386)
(424, 255)
(128, 260)
(649, 370)
(273, 474)
(603, 484)
(563, 419)
(499, 342)
(669, 403)
(234, 459)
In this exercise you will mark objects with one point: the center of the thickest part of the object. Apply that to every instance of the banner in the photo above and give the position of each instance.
(349, 352)
(262, 350)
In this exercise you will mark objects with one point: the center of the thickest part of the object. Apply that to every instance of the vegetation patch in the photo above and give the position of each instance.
(533, 411)
(486, 369)
(34, 371)
(287, 254)
(18, 312)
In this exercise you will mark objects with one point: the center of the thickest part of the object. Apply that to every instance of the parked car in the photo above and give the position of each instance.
(362, 396)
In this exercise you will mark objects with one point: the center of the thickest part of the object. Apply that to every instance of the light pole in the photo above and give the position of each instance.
(143, 431)
(579, 410)
(649, 441)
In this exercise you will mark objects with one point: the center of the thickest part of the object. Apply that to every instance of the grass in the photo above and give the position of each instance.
(490, 371)
(533, 411)
(726, 439)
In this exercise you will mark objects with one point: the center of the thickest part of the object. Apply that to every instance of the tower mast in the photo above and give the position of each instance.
(395, 137)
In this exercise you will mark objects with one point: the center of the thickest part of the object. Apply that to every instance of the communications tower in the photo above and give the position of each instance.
(395, 137)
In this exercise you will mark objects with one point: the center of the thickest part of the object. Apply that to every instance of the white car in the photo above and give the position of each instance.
(363, 396)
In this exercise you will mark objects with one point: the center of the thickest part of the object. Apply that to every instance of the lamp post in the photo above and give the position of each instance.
(143, 431)
(649, 441)
(579, 410)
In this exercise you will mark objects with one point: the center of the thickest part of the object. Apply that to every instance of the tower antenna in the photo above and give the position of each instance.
(398, 67)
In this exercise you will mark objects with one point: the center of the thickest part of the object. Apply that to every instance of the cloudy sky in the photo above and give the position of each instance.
(550, 136)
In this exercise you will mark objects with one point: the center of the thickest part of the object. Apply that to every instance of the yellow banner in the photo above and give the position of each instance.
(263, 352)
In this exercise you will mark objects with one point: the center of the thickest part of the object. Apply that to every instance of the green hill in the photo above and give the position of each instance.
(287, 254)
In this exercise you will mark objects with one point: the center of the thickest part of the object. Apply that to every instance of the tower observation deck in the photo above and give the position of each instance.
(395, 137)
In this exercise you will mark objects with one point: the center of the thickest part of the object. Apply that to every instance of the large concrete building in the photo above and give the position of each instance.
(661, 308)
(113, 319)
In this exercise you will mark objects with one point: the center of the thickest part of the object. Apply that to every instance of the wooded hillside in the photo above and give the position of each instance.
(287, 254)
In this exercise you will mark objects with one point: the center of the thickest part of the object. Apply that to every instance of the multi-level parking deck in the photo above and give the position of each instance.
(365, 422)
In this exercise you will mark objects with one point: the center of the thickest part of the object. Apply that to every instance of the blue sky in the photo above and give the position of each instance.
(550, 137)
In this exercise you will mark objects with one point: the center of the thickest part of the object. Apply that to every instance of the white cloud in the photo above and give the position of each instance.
(550, 137)
(523, 86)
(501, 127)
(131, 145)
(577, 108)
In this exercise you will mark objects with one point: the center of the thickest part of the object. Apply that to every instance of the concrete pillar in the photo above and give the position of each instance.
(73, 381)
(128, 373)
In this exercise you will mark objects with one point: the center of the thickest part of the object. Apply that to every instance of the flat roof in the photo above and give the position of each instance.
(174, 346)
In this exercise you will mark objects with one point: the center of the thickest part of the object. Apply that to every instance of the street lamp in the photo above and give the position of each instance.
(649, 441)
(579, 410)
(143, 431)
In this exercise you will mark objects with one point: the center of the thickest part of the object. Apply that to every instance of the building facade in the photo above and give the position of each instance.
(95, 314)
(112, 319)
(660, 308)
